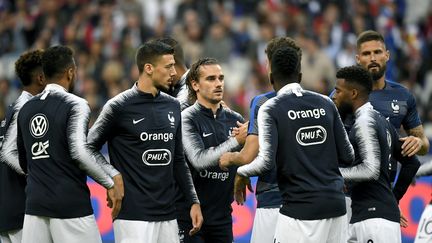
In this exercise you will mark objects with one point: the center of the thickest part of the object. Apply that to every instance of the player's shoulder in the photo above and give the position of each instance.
(168, 98)
(260, 99)
(190, 112)
(312, 96)
(122, 99)
(232, 113)
(391, 85)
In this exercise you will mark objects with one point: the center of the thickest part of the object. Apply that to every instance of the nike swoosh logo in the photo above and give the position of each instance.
(206, 134)
(136, 121)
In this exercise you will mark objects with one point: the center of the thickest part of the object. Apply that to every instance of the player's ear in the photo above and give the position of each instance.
(41, 79)
(195, 85)
(354, 93)
(271, 78)
(70, 74)
(148, 68)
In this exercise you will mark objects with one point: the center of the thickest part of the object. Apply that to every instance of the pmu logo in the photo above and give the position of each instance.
(156, 157)
(38, 125)
(312, 135)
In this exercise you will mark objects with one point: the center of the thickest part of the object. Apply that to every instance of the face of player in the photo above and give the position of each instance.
(210, 86)
(343, 97)
(164, 72)
(373, 56)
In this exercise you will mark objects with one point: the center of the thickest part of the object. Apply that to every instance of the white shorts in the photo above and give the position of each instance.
(332, 230)
(424, 229)
(49, 230)
(375, 230)
(13, 236)
(136, 231)
(264, 225)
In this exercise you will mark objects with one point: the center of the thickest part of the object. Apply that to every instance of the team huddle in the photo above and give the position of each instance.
(178, 156)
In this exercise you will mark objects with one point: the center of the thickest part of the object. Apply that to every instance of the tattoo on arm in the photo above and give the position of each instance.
(419, 132)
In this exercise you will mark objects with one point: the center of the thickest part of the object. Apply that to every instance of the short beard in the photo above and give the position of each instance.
(377, 75)
(345, 110)
(163, 88)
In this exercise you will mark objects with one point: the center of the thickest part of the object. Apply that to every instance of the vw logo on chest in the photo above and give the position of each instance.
(39, 125)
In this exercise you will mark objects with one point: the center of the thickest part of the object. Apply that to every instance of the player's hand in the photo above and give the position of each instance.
(242, 132)
(411, 145)
(197, 218)
(115, 195)
(225, 161)
(403, 221)
(240, 184)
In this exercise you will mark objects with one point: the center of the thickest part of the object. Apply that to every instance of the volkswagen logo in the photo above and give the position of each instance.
(38, 125)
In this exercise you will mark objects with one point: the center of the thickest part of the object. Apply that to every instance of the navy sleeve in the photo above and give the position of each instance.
(369, 151)
(268, 141)
(409, 167)
(79, 150)
(21, 150)
(253, 125)
(182, 173)
(8, 149)
(198, 155)
(344, 148)
(100, 133)
(412, 118)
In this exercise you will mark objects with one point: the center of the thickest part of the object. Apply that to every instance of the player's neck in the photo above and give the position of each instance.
(379, 84)
(33, 89)
(209, 105)
(62, 82)
(146, 86)
(359, 103)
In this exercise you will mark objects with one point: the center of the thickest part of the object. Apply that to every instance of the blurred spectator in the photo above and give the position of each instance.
(318, 70)
(217, 44)
(106, 33)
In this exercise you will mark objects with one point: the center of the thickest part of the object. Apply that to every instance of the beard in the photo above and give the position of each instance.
(163, 88)
(378, 74)
(345, 109)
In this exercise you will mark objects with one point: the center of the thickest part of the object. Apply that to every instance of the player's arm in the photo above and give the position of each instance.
(409, 167)
(416, 142)
(9, 151)
(369, 152)
(268, 141)
(22, 157)
(98, 135)
(184, 180)
(344, 148)
(245, 156)
(77, 142)
(199, 156)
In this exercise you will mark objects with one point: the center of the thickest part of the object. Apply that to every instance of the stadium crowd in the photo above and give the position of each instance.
(105, 34)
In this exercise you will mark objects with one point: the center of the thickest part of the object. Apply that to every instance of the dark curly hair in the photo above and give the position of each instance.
(194, 74)
(279, 42)
(28, 65)
(356, 75)
(285, 65)
(56, 60)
